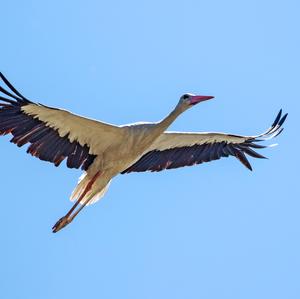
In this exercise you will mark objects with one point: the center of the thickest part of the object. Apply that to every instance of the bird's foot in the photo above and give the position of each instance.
(61, 223)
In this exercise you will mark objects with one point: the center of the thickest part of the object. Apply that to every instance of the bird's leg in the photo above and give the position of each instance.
(65, 220)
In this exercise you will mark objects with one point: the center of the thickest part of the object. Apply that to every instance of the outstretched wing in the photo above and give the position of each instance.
(53, 134)
(174, 149)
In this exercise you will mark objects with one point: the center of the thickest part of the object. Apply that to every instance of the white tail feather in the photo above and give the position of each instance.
(92, 195)
(98, 195)
(82, 182)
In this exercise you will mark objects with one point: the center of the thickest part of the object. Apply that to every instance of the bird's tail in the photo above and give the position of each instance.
(96, 193)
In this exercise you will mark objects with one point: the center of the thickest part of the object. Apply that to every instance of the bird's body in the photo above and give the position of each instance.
(104, 150)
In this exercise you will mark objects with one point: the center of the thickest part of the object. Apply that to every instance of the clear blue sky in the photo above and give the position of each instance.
(212, 231)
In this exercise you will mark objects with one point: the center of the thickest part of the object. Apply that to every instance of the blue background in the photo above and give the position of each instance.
(212, 231)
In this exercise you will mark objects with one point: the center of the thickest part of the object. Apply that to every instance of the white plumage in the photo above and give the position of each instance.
(104, 150)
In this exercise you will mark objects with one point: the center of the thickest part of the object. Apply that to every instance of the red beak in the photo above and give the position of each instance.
(197, 99)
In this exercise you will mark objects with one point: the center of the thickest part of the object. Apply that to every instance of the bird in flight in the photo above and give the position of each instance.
(104, 150)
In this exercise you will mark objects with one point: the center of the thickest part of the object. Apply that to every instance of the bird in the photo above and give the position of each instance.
(103, 150)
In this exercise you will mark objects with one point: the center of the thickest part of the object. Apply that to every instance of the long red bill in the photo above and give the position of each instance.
(197, 99)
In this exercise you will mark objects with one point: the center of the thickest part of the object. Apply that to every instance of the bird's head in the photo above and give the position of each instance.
(188, 100)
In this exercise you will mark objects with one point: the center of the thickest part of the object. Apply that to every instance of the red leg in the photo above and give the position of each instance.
(65, 220)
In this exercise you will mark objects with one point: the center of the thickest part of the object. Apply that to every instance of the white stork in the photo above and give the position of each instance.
(104, 150)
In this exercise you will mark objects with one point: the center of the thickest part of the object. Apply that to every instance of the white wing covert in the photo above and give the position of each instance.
(53, 134)
(178, 149)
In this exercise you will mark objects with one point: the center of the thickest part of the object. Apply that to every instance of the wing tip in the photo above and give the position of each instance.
(274, 130)
(15, 93)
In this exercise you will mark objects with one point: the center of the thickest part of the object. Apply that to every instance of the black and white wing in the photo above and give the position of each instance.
(176, 149)
(53, 134)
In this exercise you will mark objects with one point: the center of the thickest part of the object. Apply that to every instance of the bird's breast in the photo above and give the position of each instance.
(126, 152)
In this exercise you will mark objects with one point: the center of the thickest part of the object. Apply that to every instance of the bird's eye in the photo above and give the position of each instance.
(185, 96)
